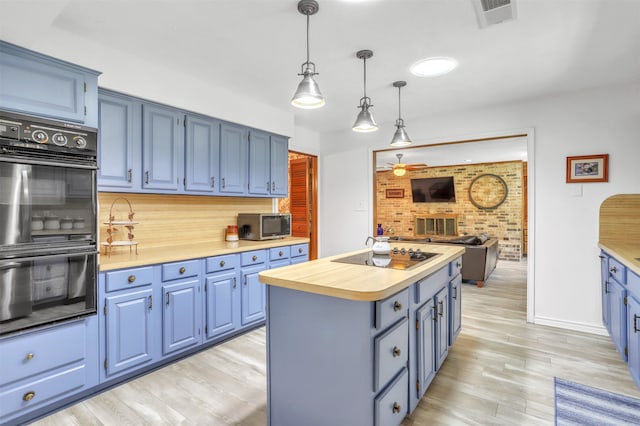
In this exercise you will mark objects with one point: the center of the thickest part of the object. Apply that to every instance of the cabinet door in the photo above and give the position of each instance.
(181, 319)
(233, 159)
(455, 313)
(618, 316)
(604, 276)
(253, 295)
(202, 165)
(425, 345)
(633, 337)
(129, 330)
(162, 147)
(279, 166)
(259, 160)
(36, 84)
(442, 325)
(118, 143)
(222, 310)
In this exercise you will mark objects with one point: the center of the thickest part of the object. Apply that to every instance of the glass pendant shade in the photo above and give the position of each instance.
(365, 121)
(399, 171)
(308, 95)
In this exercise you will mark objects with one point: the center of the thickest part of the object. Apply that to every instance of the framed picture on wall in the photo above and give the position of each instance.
(395, 193)
(588, 168)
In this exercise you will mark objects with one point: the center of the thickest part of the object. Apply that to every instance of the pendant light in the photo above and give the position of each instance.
(400, 137)
(308, 94)
(365, 121)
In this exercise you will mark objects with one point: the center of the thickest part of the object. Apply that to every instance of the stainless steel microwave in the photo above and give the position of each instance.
(264, 226)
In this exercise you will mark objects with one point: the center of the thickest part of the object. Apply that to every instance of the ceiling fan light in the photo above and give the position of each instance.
(365, 121)
(308, 95)
(400, 137)
(397, 171)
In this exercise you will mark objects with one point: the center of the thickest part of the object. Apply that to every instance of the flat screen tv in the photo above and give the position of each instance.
(433, 190)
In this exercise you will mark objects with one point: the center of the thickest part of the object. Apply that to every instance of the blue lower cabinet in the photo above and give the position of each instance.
(425, 344)
(222, 303)
(455, 308)
(299, 253)
(181, 316)
(253, 295)
(633, 336)
(45, 367)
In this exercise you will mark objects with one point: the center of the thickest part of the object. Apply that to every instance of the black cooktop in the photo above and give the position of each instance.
(397, 259)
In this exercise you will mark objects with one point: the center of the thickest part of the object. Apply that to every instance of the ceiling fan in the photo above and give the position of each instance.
(399, 168)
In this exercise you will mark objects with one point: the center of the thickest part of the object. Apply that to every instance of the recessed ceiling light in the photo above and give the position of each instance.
(433, 67)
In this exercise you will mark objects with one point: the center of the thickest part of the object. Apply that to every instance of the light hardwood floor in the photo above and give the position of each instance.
(499, 372)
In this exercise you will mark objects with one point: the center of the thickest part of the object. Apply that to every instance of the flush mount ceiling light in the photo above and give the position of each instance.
(400, 137)
(365, 121)
(308, 95)
(433, 67)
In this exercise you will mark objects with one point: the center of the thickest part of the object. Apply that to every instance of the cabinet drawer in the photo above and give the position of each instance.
(391, 309)
(299, 250)
(390, 407)
(279, 253)
(390, 353)
(40, 351)
(427, 287)
(255, 257)
(178, 270)
(39, 392)
(222, 263)
(455, 266)
(129, 278)
(617, 270)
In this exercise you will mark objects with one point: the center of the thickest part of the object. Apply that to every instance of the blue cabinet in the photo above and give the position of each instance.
(455, 313)
(604, 277)
(119, 142)
(234, 148)
(44, 367)
(426, 353)
(202, 155)
(268, 164)
(299, 253)
(162, 147)
(253, 291)
(181, 317)
(442, 325)
(37, 84)
(222, 295)
(633, 333)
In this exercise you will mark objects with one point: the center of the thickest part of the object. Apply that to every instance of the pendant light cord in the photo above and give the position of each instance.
(307, 41)
(365, 78)
(399, 105)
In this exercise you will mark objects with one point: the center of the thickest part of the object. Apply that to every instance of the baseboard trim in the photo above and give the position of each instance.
(571, 325)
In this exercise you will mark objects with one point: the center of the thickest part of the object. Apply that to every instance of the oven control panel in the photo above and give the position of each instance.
(43, 132)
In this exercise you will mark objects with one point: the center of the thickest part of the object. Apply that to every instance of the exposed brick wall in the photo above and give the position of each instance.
(504, 222)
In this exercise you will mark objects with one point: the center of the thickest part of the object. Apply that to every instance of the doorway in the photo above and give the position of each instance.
(302, 202)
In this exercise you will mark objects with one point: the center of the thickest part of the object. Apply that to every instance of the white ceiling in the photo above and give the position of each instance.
(257, 47)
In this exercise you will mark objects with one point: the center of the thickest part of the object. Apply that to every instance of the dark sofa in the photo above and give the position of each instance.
(480, 256)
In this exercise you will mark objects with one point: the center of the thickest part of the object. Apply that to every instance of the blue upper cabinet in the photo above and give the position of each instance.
(268, 164)
(36, 84)
(234, 146)
(202, 151)
(119, 142)
(162, 148)
(259, 159)
(279, 165)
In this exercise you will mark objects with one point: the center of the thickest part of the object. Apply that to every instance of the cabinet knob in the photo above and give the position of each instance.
(28, 396)
(397, 306)
(182, 270)
(280, 253)
(254, 258)
(458, 264)
(221, 263)
(131, 278)
(396, 407)
(396, 351)
(29, 356)
(300, 250)
(614, 269)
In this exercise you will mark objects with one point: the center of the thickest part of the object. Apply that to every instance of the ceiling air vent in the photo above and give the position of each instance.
(490, 12)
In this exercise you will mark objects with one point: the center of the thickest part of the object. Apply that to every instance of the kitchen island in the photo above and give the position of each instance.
(351, 344)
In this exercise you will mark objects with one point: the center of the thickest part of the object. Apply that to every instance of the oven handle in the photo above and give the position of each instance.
(9, 262)
(48, 163)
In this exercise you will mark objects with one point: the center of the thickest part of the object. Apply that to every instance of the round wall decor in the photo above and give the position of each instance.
(488, 191)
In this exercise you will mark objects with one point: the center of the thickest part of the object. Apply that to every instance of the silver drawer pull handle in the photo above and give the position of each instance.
(614, 269)
(29, 356)
(396, 352)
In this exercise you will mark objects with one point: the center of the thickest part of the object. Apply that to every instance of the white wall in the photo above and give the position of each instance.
(606, 120)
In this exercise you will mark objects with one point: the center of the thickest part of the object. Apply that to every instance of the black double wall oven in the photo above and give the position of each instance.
(48, 221)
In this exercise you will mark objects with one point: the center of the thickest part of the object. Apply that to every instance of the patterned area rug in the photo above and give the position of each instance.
(582, 405)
